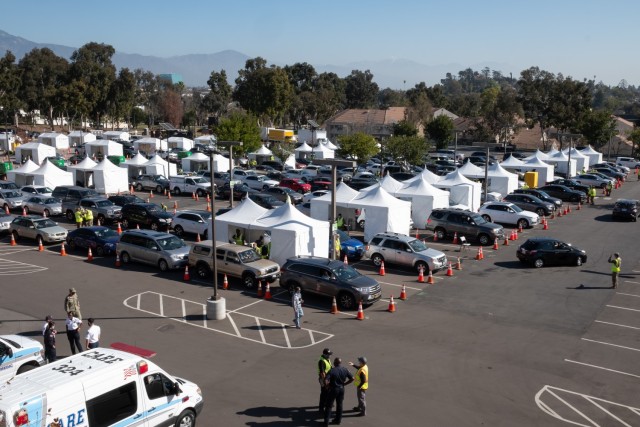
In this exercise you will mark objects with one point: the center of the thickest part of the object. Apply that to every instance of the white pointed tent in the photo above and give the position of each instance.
(427, 175)
(109, 178)
(384, 212)
(538, 154)
(114, 135)
(19, 175)
(83, 172)
(593, 155)
(35, 151)
(150, 145)
(320, 206)
(582, 161)
(293, 233)
(135, 165)
(78, 138)
(159, 166)
(103, 148)
(512, 164)
(56, 140)
(552, 152)
(321, 151)
(50, 175)
(545, 170)
(562, 163)
(462, 191)
(303, 151)
(330, 145)
(261, 154)
(388, 183)
(424, 198)
(205, 139)
(220, 163)
(242, 217)
(185, 144)
(195, 163)
(500, 180)
(471, 171)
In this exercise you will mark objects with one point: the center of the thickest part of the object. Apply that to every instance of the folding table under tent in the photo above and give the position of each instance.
(50, 175)
(545, 170)
(135, 165)
(424, 199)
(83, 172)
(59, 141)
(109, 178)
(103, 148)
(185, 144)
(593, 155)
(195, 162)
(156, 165)
(500, 180)
(35, 151)
(462, 191)
(241, 217)
(21, 176)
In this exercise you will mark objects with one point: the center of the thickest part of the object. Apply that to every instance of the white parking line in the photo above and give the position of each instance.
(622, 308)
(629, 281)
(618, 324)
(603, 368)
(612, 345)
(629, 295)
(407, 287)
(15, 268)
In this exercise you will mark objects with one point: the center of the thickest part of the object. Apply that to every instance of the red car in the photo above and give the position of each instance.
(295, 184)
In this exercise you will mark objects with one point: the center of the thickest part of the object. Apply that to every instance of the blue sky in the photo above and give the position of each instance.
(581, 39)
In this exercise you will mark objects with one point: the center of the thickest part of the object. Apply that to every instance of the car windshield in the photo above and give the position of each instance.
(153, 208)
(478, 219)
(106, 233)
(249, 255)
(417, 245)
(544, 195)
(200, 180)
(51, 201)
(44, 223)
(170, 243)
(345, 272)
(10, 194)
(516, 208)
(43, 190)
(104, 203)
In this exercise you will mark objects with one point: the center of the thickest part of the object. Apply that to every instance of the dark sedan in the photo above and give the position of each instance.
(607, 171)
(239, 191)
(267, 201)
(564, 193)
(281, 193)
(530, 203)
(540, 195)
(625, 209)
(541, 251)
(572, 184)
(101, 240)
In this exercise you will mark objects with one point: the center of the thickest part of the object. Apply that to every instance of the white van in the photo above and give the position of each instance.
(101, 387)
(18, 354)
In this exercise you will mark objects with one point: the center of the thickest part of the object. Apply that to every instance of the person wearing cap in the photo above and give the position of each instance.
(616, 263)
(362, 384)
(71, 303)
(73, 325)
(46, 323)
(324, 366)
(50, 342)
(336, 379)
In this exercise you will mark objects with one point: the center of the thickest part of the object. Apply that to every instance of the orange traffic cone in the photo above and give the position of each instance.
(208, 198)
(24, 212)
(197, 198)
(6, 210)
(455, 238)
(169, 194)
(403, 293)
(381, 272)
(165, 192)
(40, 246)
(225, 283)
(334, 307)
(131, 189)
(459, 264)
(392, 305)
(89, 255)
(260, 289)
(13, 240)
(360, 315)
(553, 214)
(174, 211)
(506, 241)
(118, 260)
(495, 244)
(450, 270)
(435, 236)
(208, 207)
(481, 253)
(198, 237)
(267, 292)
(63, 251)
(421, 275)
(151, 194)
(512, 236)
(545, 226)
(430, 279)
(193, 196)
(346, 261)
(186, 276)
(119, 229)
(175, 204)
(519, 228)
(568, 209)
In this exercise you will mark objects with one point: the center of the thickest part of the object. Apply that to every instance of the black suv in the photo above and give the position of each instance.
(332, 278)
(531, 203)
(125, 199)
(564, 193)
(625, 209)
(540, 195)
(147, 215)
(72, 193)
(447, 222)
(267, 201)
(574, 185)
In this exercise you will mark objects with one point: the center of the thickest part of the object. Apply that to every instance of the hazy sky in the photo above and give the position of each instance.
(581, 39)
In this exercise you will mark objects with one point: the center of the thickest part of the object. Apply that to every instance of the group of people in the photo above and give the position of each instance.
(262, 245)
(333, 378)
(73, 324)
(83, 217)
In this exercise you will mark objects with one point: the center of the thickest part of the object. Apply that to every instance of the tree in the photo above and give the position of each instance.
(360, 90)
(147, 93)
(122, 96)
(420, 108)
(9, 85)
(535, 93)
(634, 137)
(500, 110)
(392, 98)
(404, 128)
(359, 146)
(329, 92)
(597, 127)
(440, 130)
(410, 149)
(170, 107)
(240, 126)
(219, 96)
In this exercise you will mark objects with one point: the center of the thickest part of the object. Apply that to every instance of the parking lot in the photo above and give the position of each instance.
(499, 343)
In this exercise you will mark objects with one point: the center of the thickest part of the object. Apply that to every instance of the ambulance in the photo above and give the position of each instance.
(99, 388)
(18, 354)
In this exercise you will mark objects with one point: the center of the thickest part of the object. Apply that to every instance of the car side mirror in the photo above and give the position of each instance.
(154, 248)
(176, 389)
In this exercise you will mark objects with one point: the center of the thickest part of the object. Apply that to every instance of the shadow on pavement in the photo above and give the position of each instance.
(288, 416)
(513, 264)
(583, 287)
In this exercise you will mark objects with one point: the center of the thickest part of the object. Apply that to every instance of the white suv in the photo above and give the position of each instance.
(508, 213)
(629, 162)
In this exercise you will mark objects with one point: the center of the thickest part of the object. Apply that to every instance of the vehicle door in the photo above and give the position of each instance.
(325, 281)
(150, 251)
(467, 226)
(139, 215)
(190, 223)
(36, 204)
(253, 182)
(526, 203)
(161, 405)
(404, 254)
(7, 358)
(29, 228)
(83, 237)
(189, 185)
(547, 251)
(496, 213)
(389, 249)
(564, 254)
(232, 263)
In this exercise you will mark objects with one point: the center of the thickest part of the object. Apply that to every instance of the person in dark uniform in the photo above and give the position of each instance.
(50, 342)
(336, 379)
(324, 366)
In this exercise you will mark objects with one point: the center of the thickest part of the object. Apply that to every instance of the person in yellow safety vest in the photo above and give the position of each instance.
(337, 247)
(88, 218)
(609, 188)
(340, 222)
(362, 384)
(79, 216)
(163, 206)
(324, 366)
(592, 194)
(616, 263)
(525, 186)
(238, 238)
(583, 171)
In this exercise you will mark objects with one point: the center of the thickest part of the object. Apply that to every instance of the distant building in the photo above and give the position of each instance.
(172, 78)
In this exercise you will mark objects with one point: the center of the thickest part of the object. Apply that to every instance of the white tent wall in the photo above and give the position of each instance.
(185, 144)
(562, 166)
(384, 212)
(135, 166)
(220, 163)
(593, 155)
(241, 217)
(56, 140)
(147, 145)
(78, 138)
(195, 163)
(35, 151)
(82, 172)
(116, 135)
(545, 170)
(322, 152)
(462, 191)
(158, 166)
(501, 181)
(320, 206)
(582, 161)
(424, 199)
(51, 176)
(21, 175)
(110, 179)
(103, 147)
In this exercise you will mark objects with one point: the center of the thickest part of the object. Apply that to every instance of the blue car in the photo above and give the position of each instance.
(101, 240)
(352, 248)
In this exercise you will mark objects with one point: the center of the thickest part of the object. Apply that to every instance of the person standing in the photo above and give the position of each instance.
(592, 194)
(616, 263)
(324, 366)
(50, 342)
(73, 325)
(362, 384)
(92, 339)
(340, 222)
(79, 217)
(296, 303)
(71, 303)
(238, 238)
(336, 379)
(337, 246)
(88, 218)
(609, 188)
(46, 323)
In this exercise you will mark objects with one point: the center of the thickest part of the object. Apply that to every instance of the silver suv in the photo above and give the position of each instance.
(394, 248)
(103, 209)
(449, 221)
(237, 261)
(163, 250)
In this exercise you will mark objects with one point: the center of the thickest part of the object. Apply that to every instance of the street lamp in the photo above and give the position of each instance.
(230, 144)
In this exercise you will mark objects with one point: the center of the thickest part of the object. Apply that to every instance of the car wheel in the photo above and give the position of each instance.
(178, 230)
(202, 270)
(205, 235)
(249, 280)
(163, 265)
(25, 368)
(125, 223)
(72, 244)
(578, 261)
(346, 301)
(486, 218)
(125, 258)
(159, 189)
(186, 419)
(484, 240)
(540, 212)
(422, 266)
(575, 199)
(538, 263)
(377, 260)
(265, 187)
(71, 216)
(154, 226)
(440, 233)
(200, 193)
(46, 211)
(361, 223)
(176, 191)
(139, 187)
(523, 223)
(100, 250)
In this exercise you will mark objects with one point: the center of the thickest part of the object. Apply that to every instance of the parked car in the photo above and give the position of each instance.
(629, 162)
(36, 190)
(571, 183)
(192, 221)
(313, 194)
(8, 185)
(72, 193)
(219, 178)
(400, 249)
(625, 209)
(179, 184)
(18, 354)
(125, 199)
(609, 172)
(542, 251)
(564, 193)
(240, 190)
(102, 240)
(540, 195)
(530, 203)
(445, 222)
(157, 183)
(5, 221)
(592, 180)
(296, 185)
(42, 230)
(237, 261)
(102, 208)
(281, 193)
(267, 201)
(166, 251)
(259, 182)
(11, 199)
(350, 247)
(508, 213)
(331, 278)
(43, 205)
(146, 215)
(242, 174)
(319, 183)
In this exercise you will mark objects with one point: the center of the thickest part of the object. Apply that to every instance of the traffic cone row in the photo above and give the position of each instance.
(260, 289)
(267, 292)
(455, 238)
(421, 275)
(13, 240)
(118, 260)
(225, 283)
(360, 315)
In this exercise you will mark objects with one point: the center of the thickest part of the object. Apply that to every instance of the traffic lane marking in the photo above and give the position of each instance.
(602, 368)
(242, 325)
(16, 268)
(617, 324)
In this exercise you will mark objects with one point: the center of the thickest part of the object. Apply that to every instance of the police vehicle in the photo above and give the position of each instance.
(18, 354)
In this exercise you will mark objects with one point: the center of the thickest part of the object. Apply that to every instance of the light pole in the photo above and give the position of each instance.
(230, 144)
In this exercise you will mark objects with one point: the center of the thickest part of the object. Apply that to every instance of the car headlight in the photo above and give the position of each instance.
(351, 248)
(363, 290)
(176, 257)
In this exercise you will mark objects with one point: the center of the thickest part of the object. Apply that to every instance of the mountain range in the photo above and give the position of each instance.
(195, 68)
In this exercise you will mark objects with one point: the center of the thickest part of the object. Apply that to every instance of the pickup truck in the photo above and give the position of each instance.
(189, 184)
(104, 210)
